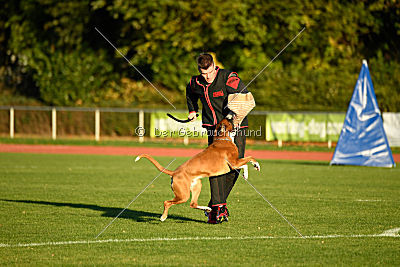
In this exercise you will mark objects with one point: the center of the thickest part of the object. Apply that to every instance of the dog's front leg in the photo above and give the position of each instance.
(256, 165)
(245, 171)
(237, 163)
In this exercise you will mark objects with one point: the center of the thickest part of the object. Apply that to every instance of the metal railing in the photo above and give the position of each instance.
(392, 126)
(99, 110)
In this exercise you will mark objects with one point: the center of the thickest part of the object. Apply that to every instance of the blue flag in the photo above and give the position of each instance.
(363, 140)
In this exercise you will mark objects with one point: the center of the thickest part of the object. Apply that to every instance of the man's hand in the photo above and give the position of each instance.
(192, 116)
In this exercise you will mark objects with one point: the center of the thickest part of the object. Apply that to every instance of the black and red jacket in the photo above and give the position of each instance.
(214, 96)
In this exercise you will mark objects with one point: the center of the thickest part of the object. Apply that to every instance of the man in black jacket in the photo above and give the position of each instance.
(212, 87)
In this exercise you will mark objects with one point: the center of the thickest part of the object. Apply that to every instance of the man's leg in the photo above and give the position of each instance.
(217, 188)
(230, 180)
(231, 177)
(218, 201)
(226, 181)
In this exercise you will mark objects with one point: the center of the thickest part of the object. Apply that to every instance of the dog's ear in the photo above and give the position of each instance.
(229, 125)
(220, 129)
(223, 128)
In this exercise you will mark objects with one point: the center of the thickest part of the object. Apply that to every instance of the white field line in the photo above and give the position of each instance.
(369, 200)
(388, 233)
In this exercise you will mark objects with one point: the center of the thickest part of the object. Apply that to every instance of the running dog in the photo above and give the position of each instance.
(217, 159)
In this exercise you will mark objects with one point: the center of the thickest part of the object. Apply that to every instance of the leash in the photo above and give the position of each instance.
(134, 199)
(178, 120)
(266, 200)
(272, 206)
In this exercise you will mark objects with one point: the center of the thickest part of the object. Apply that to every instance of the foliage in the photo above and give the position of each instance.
(162, 38)
(46, 37)
(76, 78)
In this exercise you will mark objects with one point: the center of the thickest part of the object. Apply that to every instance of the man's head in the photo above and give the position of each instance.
(206, 67)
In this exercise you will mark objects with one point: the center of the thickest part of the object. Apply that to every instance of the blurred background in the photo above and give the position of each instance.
(51, 54)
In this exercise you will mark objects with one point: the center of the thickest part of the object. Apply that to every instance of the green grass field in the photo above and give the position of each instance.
(71, 198)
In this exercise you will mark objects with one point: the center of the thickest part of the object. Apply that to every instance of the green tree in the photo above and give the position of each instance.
(48, 37)
(162, 38)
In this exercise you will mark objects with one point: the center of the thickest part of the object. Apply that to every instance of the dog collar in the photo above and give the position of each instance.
(225, 139)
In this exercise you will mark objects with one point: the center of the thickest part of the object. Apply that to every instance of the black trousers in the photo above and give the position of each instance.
(221, 186)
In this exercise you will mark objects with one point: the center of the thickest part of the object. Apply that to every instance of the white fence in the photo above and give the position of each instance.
(54, 110)
(391, 123)
(391, 120)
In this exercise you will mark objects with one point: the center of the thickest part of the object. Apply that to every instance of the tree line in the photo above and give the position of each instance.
(50, 50)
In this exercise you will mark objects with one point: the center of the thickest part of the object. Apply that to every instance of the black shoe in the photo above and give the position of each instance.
(223, 214)
(227, 211)
(206, 213)
(212, 215)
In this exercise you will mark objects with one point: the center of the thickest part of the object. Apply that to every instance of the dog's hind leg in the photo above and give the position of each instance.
(195, 188)
(182, 194)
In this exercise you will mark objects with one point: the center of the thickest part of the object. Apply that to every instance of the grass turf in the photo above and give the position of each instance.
(52, 198)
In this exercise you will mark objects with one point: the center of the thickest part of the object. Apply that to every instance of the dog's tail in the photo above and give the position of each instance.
(158, 165)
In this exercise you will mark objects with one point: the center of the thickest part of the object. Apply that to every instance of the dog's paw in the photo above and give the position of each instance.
(257, 166)
(207, 209)
(162, 218)
(245, 174)
(137, 158)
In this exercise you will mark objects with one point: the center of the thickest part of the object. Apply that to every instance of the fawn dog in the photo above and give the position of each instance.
(217, 159)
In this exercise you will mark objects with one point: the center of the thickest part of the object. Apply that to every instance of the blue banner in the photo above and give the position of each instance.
(363, 140)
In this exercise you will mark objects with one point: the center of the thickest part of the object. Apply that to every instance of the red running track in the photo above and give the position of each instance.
(178, 152)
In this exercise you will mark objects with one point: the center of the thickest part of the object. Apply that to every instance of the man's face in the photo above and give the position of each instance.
(209, 74)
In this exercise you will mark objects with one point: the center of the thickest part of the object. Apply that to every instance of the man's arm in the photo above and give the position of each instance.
(191, 99)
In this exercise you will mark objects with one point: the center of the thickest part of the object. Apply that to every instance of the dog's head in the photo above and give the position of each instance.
(224, 127)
